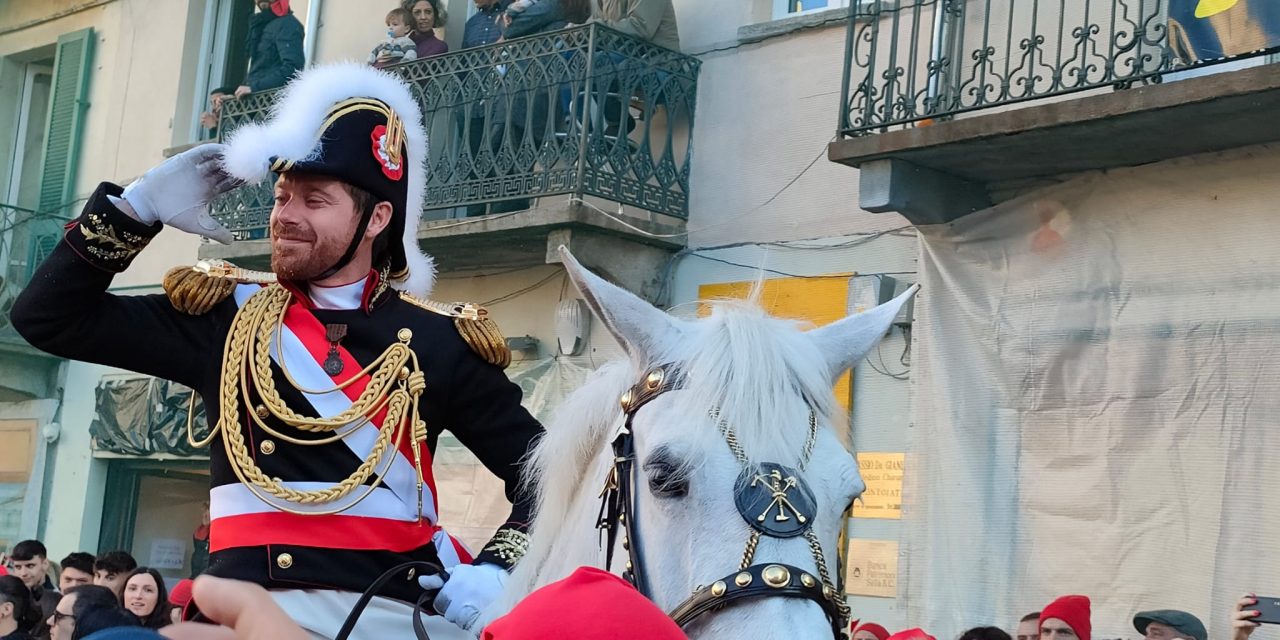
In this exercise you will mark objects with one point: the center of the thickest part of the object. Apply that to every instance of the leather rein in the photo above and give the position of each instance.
(772, 499)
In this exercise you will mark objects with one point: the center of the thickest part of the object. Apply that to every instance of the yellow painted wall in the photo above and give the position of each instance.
(820, 300)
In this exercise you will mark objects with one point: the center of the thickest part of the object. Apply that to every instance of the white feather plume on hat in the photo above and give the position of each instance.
(291, 133)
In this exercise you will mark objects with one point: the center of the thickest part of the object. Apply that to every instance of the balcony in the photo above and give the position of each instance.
(26, 238)
(574, 136)
(950, 102)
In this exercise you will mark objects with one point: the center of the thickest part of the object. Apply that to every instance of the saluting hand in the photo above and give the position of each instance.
(178, 191)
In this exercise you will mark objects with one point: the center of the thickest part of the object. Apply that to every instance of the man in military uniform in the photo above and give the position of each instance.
(328, 382)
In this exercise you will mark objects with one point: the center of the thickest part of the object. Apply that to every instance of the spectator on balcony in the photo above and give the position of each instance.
(397, 47)
(428, 16)
(274, 47)
(652, 20)
(528, 17)
(484, 27)
(209, 119)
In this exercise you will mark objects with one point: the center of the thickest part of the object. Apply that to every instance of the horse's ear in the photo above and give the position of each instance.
(845, 341)
(641, 328)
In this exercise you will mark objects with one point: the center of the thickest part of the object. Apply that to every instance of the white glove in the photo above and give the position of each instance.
(471, 588)
(178, 191)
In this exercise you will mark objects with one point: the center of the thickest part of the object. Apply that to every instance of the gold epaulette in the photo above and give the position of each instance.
(472, 320)
(195, 290)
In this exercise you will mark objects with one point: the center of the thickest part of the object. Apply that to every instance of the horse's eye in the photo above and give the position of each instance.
(666, 477)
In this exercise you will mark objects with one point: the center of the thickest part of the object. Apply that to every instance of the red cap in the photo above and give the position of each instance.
(589, 605)
(181, 593)
(3, 571)
(874, 629)
(1073, 610)
(914, 633)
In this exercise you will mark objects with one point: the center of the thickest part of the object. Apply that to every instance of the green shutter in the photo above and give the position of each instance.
(69, 101)
(67, 105)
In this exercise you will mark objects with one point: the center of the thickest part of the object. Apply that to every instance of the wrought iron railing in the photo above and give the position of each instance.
(909, 62)
(585, 111)
(26, 239)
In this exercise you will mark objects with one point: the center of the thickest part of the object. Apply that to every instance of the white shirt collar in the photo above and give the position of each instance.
(339, 298)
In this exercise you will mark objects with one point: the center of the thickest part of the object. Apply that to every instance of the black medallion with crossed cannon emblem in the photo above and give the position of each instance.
(775, 500)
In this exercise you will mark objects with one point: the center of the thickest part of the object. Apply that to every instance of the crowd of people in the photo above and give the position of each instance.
(92, 594)
(1070, 618)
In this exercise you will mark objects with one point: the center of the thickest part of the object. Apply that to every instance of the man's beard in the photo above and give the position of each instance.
(304, 262)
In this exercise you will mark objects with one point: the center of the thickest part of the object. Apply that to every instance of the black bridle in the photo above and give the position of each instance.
(760, 490)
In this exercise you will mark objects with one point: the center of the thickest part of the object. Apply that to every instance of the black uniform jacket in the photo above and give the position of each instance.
(67, 311)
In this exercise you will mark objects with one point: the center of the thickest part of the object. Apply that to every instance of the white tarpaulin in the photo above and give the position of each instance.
(1096, 395)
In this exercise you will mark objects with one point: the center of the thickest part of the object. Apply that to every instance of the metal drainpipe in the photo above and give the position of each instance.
(314, 7)
(940, 27)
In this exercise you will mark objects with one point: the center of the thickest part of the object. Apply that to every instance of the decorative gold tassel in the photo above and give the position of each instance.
(195, 293)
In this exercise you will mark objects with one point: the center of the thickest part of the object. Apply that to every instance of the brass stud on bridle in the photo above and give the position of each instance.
(742, 579)
(719, 589)
(776, 576)
(807, 580)
(627, 398)
(655, 378)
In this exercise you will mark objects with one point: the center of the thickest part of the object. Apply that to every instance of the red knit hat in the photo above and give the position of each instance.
(874, 629)
(589, 605)
(914, 633)
(1073, 610)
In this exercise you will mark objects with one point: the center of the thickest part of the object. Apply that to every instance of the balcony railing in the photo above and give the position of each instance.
(585, 111)
(26, 239)
(909, 62)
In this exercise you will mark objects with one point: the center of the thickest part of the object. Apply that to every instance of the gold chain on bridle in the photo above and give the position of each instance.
(396, 383)
(829, 588)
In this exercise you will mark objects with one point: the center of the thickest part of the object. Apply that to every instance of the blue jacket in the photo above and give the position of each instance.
(275, 53)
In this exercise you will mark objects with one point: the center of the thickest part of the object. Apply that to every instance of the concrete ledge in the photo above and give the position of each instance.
(1123, 128)
(774, 28)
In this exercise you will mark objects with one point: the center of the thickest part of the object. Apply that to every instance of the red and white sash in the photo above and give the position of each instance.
(386, 519)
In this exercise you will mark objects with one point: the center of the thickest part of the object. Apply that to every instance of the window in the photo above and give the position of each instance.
(788, 8)
(17, 450)
(221, 62)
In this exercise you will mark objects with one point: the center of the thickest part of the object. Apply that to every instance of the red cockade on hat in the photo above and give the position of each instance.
(391, 168)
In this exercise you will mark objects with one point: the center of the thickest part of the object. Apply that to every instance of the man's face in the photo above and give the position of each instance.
(1161, 631)
(32, 571)
(1056, 629)
(425, 15)
(263, 5)
(72, 577)
(62, 624)
(312, 224)
(112, 581)
(1028, 630)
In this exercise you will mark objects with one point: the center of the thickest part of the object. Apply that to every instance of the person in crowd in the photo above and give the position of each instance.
(274, 46)
(428, 16)
(112, 569)
(77, 604)
(869, 631)
(1028, 627)
(99, 622)
(985, 633)
(397, 47)
(30, 562)
(527, 17)
(1067, 618)
(485, 27)
(145, 596)
(179, 598)
(77, 569)
(914, 633)
(18, 614)
(652, 20)
(1242, 624)
(210, 119)
(1168, 624)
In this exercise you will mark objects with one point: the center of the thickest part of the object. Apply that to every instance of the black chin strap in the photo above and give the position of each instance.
(365, 218)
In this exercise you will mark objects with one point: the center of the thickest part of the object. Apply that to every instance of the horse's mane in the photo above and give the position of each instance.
(734, 358)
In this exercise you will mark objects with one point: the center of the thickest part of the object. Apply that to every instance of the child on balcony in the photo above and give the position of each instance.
(398, 47)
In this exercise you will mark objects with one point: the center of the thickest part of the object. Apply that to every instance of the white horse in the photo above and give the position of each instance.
(748, 390)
